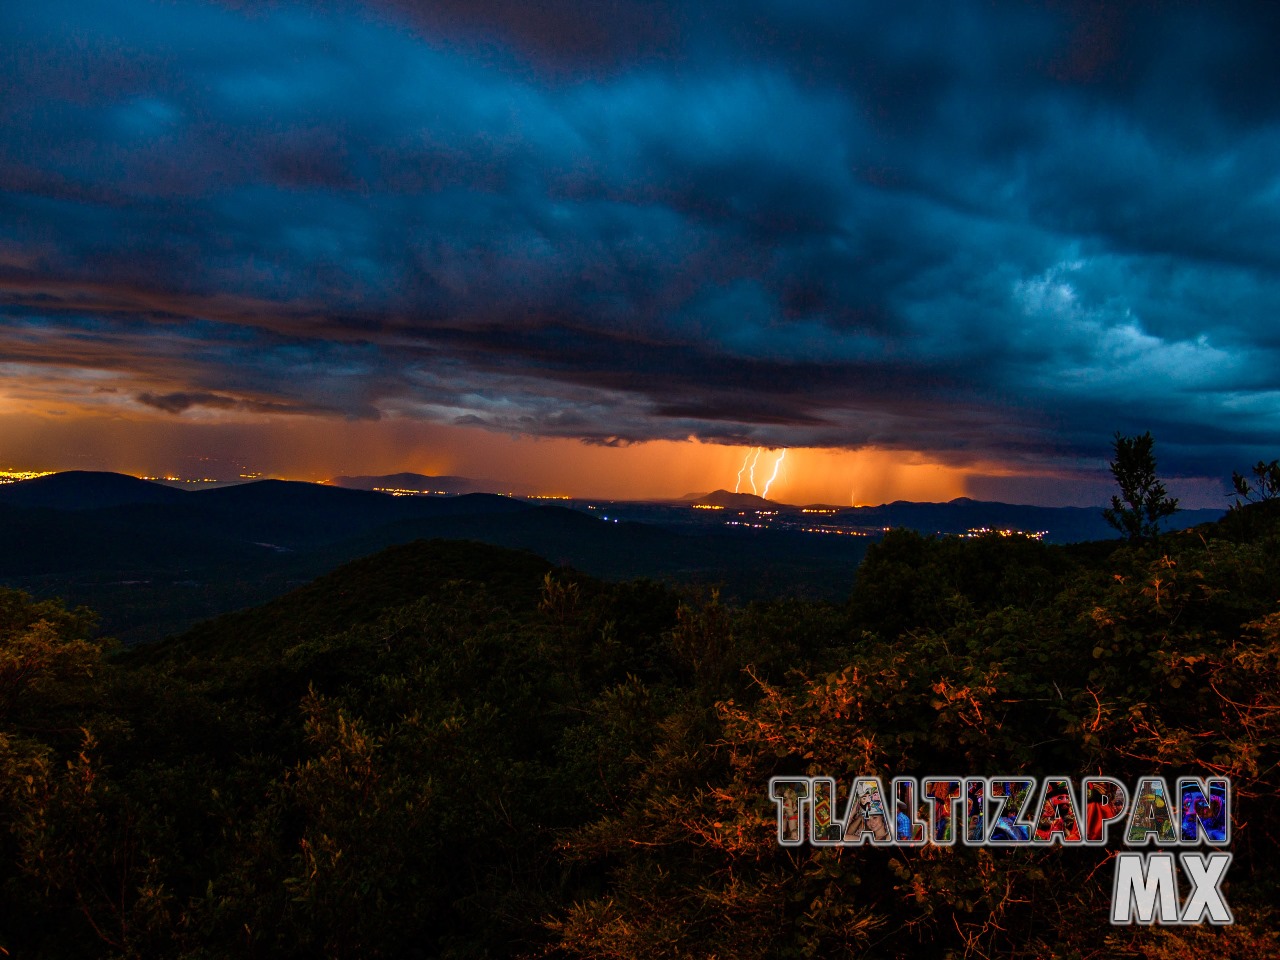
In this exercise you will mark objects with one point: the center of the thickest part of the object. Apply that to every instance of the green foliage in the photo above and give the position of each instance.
(911, 582)
(1142, 502)
(450, 750)
(45, 654)
(1131, 664)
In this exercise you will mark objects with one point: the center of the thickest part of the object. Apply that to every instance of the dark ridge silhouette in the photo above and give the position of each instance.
(86, 490)
(735, 501)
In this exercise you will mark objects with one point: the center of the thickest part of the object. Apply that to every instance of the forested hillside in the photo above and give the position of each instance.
(455, 750)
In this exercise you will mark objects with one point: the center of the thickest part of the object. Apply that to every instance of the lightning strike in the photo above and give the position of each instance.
(752, 476)
(776, 465)
(737, 487)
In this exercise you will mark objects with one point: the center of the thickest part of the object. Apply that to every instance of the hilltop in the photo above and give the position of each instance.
(734, 501)
(85, 490)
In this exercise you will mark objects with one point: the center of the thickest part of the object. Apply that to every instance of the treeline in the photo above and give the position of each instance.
(451, 750)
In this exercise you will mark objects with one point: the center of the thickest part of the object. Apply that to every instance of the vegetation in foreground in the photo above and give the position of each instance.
(452, 750)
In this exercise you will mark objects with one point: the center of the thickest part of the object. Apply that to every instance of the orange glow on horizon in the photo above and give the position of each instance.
(316, 448)
(308, 448)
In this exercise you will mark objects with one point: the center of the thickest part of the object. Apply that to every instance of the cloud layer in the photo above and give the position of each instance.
(994, 232)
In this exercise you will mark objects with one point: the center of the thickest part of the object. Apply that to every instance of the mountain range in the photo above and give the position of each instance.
(153, 559)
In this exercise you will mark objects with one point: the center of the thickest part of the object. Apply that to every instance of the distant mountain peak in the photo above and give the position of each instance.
(734, 501)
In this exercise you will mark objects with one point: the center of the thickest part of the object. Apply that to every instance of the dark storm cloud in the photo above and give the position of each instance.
(181, 402)
(992, 231)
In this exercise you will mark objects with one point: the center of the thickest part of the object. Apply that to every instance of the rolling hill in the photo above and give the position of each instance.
(153, 567)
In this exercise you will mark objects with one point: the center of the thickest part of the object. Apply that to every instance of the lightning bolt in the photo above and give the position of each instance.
(776, 464)
(737, 487)
(753, 469)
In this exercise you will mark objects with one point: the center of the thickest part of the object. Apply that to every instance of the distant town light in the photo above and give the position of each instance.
(973, 532)
(13, 476)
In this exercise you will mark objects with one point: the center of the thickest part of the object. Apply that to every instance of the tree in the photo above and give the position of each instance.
(1266, 478)
(1142, 503)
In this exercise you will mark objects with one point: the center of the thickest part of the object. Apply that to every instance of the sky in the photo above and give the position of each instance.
(614, 248)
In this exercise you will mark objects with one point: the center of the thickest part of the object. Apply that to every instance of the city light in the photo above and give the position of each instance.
(13, 476)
